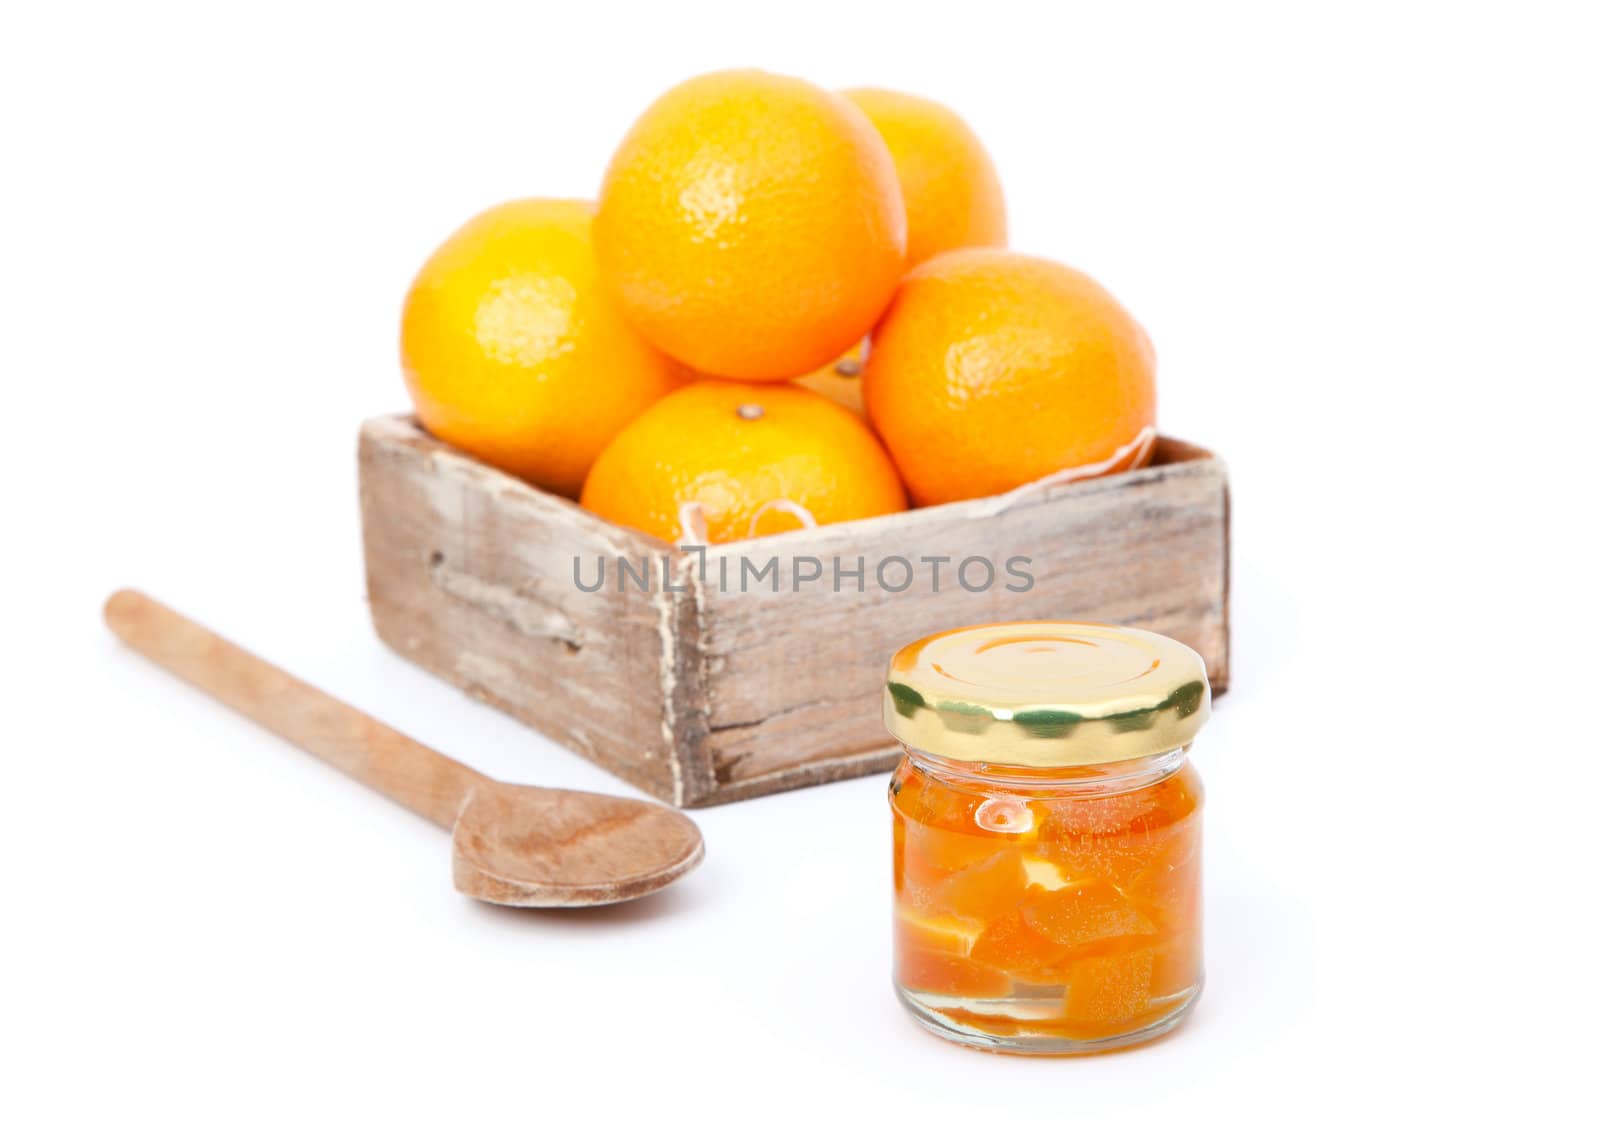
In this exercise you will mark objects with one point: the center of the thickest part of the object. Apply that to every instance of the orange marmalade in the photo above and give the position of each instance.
(1047, 834)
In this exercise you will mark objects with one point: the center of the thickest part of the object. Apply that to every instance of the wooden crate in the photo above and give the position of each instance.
(699, 695)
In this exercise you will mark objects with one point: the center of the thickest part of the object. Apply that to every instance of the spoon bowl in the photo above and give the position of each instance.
(535, 846)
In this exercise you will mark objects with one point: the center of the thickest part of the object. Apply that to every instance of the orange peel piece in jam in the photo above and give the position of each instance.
(949, 975)
(1109, 991)
(1080, 915)
(983, 891)
(940, 934)
(1009, 944)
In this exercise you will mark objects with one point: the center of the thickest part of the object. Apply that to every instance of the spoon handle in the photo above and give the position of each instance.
(431, 784)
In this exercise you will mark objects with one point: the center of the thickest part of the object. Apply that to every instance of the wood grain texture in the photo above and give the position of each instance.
(469, 574)
(707, 695)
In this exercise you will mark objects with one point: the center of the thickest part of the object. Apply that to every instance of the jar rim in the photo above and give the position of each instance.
(1100, 778)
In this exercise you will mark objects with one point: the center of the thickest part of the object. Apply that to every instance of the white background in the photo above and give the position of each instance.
(1365, 242)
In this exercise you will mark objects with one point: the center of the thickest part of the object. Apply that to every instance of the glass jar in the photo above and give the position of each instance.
(1047, 834)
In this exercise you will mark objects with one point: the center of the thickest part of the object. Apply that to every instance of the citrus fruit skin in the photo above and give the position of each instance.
(751, 225)
(992, 369)
(951, 189)
(514, 352)
(840, 380)
(741, 450)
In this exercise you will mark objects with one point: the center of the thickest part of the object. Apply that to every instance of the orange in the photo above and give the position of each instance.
(992, 369)
(513, 351)
(840, 381)
(751, 225)
(755, 458)
(952, 193)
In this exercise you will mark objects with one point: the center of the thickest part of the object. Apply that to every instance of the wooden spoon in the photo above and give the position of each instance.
(513, 845)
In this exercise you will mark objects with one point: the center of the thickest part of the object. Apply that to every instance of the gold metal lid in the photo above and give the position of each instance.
(1046, 694)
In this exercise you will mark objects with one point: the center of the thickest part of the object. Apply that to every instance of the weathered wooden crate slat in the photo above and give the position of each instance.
(700, 695)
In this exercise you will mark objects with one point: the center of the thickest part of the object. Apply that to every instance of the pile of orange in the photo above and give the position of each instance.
(787, 307)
